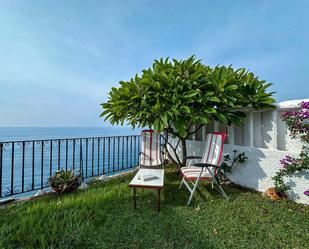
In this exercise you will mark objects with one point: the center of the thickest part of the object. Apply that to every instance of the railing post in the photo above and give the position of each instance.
(103, 151)
(92, 157)
(33, 164)
(23, 167)
(122, 153)
(51, 158)
(42, 164)
(59, 145)
(109, 153)
(114, 154)
(12, 168)
(1, 157)
(98, 156)
(66, 154)
(81, 158)
(86, 157)
(73, 155)
(131, 152)
(118, 152)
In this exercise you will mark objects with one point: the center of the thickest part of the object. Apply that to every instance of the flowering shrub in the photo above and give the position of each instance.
(288, 161)
(298, 124)
(290, 166)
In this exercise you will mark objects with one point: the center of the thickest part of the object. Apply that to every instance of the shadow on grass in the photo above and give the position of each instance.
(103, 217)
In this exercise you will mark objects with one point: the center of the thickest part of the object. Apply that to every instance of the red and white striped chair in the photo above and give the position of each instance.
(151, 150)
(208, 166)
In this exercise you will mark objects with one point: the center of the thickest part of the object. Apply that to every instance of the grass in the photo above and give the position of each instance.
(103, 217)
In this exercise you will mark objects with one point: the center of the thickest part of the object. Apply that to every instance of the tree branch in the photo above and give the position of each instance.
(193, 132)
(174, 150)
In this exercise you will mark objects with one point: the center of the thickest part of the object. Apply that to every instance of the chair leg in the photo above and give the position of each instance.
(183, 179)
(218, 185)
(222, 192)
(195, 186)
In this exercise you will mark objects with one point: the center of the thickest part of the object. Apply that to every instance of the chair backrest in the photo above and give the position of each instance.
(214, 148)
(151, 154)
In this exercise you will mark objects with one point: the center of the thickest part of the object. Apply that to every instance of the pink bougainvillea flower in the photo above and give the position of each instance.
(304, 105)
(307, 192)
(287, 161)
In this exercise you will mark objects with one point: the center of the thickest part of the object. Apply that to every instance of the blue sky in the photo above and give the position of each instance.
(58, 59)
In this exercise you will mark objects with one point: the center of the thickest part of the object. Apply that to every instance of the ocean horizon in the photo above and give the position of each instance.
(44, 133)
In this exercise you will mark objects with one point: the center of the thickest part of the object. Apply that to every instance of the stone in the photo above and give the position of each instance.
(103, 178)
(83, 186)
(39, 193)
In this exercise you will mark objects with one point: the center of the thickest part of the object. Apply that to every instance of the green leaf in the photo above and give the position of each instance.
(231, 88)
(164, 120)
(192, 93)
(222, 118)
(215, 99)
(204, 120)
(185, 109)
(210, 110)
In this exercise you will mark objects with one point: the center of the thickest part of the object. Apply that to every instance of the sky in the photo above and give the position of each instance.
(59, 59)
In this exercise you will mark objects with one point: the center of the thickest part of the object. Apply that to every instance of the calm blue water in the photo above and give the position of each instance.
(31, 133)
(102, 153)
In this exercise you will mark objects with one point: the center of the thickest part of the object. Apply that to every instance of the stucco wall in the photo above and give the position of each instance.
(265, 140)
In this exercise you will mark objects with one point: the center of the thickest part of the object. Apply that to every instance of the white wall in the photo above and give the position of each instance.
(265, 140)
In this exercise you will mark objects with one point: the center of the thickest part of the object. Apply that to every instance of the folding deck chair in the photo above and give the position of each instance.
(151, 150)
(207, 168)
(150, 173)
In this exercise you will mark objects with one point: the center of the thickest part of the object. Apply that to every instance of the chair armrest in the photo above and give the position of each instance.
(206, 165)
(193, 157)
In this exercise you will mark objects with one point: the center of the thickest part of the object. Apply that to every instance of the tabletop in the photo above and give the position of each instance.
(156, 178)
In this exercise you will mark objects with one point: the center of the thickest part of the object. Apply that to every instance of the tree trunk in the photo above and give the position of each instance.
(184, 152)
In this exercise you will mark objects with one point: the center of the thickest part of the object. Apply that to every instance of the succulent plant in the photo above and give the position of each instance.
(64, 181)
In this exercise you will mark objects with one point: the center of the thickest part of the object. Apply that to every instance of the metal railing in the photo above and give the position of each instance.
(26, 165)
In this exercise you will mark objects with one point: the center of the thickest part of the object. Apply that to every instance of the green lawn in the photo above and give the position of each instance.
(103, 217)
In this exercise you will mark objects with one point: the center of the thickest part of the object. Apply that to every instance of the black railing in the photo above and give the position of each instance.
(26, 165)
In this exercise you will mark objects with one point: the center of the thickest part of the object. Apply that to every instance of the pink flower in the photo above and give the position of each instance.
(287, 161)
(304, 105)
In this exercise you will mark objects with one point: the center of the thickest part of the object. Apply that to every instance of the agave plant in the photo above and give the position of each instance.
(64, 181)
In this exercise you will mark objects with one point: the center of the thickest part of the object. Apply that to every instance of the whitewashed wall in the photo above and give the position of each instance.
(265, 140)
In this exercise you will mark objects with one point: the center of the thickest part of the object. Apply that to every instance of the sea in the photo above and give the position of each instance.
(30, 155)
(38, 133)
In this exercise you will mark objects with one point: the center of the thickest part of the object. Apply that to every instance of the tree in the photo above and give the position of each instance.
(175, 96)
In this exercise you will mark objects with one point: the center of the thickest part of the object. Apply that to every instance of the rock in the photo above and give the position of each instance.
(83, 186)
(39, 193)
(103, 178)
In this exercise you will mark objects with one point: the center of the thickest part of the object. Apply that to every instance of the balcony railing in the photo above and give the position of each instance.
(26, 165)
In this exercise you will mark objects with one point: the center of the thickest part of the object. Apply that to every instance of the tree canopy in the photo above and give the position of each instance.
(173, 95)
